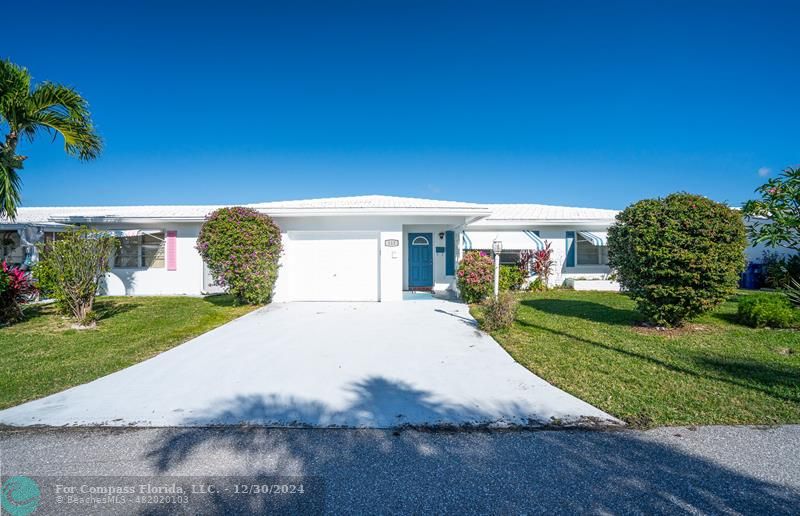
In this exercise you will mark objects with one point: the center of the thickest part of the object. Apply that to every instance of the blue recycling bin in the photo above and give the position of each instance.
(752, 277)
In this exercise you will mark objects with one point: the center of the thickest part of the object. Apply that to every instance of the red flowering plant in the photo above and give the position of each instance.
(242, 247)
(525, 262)
(15, 290)
(542, 265)
(475, 276)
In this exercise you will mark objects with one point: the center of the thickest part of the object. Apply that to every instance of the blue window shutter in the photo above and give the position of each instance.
(449, 253)
(570, 249)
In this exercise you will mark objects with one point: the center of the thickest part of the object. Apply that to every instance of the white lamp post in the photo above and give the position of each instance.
(497, 248)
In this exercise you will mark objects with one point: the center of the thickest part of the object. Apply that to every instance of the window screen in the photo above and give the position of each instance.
(10, 248)
(141, 251)
(588, 253)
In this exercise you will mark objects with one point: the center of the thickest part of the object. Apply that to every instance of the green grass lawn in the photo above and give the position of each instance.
(715, 371)
(43, 355)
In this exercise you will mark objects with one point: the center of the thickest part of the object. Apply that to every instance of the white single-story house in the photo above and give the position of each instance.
(364, 248)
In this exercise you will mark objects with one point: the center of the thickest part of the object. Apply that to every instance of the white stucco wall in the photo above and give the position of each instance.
(392, 260)
(556, 235)
(186, 280)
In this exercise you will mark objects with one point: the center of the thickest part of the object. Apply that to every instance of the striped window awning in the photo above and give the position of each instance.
(127, 233)
(599, 238)
(512, 240)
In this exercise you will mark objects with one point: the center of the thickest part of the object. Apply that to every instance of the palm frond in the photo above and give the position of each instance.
(49, 107)
(793, 291)
(15, 83)
(80, 137)
(10, 184)
(13, 78)
(59, 99)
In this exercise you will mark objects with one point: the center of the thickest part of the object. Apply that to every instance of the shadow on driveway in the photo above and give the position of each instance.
(375, 402)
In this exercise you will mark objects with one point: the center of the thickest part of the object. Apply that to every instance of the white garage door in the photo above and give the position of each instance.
(333, 266)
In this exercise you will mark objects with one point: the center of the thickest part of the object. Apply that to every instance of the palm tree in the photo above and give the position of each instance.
(27, 111)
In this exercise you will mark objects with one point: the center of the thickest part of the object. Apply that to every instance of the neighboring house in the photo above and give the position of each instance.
(366, 248)
(755, 253)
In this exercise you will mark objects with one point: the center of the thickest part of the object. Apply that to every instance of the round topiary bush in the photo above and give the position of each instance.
(242, 247)
(475, 276)
(677, 257)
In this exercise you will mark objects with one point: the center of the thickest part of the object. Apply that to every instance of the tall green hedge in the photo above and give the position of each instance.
(677, 256)
(242, 247)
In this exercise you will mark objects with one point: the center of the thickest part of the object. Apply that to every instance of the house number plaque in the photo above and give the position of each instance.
(391, 242)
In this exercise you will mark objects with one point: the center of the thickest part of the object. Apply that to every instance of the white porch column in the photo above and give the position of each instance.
(391, 269)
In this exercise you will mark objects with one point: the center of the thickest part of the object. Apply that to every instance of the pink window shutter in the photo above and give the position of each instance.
(172, 250)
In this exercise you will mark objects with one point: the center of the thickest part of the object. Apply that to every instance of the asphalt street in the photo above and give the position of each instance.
(706, 470)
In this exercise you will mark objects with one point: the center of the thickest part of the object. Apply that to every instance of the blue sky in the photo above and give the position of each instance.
(581, 103)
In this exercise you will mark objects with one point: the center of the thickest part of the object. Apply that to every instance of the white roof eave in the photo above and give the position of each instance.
(544, 222)
(122, 220)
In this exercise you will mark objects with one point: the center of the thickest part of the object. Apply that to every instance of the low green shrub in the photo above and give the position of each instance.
(537, 285)
(475, 276)
(768, 310)
(779, 271)
(511, 278)
(499, 313)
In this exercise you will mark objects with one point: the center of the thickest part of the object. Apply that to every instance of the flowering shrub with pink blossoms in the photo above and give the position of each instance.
(15, 290)
(241, 247)
(475, 276)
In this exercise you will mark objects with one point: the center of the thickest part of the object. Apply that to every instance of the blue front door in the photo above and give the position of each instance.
(420, 260)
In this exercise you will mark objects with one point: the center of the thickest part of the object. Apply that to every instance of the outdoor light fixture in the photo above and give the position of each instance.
(497, 248)
(441, 236)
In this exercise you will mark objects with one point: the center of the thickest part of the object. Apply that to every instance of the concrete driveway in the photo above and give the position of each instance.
(375, 365)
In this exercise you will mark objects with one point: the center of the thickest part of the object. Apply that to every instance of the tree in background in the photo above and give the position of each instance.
(70, 269)
(241, 247)
(27, 111)
(677, 257)
(776, 216)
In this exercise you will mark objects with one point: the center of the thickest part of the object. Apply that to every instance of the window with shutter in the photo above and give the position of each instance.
(141, 252)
